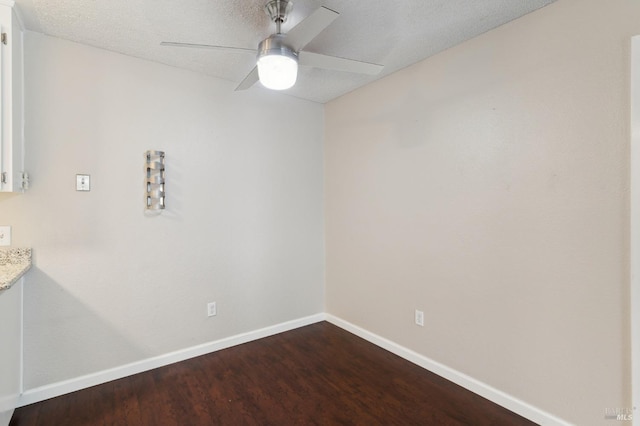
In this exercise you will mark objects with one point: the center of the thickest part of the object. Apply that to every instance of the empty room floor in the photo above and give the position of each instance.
(314, 375)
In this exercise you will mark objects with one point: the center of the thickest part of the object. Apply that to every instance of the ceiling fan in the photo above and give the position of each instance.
(279, 55)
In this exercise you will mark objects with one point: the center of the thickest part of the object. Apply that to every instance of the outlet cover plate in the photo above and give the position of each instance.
(211, 309)
(83, 183)
(5, 235)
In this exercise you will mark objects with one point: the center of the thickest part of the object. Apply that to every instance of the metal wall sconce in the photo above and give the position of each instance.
(154, 181)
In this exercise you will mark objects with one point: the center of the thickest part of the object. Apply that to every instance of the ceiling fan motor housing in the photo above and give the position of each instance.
(275, 45)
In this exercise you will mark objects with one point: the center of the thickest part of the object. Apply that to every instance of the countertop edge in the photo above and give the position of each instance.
(15, 278)
(14, 263)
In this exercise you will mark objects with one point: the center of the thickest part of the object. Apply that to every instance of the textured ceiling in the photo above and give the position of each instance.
(394, 33)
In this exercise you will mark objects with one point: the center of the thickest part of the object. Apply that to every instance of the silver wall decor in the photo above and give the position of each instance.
(154, 180)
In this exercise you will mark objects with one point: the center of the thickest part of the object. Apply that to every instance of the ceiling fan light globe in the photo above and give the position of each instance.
(277, 71)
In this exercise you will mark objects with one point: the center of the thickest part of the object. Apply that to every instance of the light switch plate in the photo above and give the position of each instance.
(5, 235)
(83, 183)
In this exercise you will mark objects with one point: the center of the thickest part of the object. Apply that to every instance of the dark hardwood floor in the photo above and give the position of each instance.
(315, 375)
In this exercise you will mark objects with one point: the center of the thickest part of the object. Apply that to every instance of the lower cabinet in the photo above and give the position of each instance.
(10, 350)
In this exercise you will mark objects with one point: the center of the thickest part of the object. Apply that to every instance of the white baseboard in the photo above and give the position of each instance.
(5, 417)
(507, 401)
(520, 407)
(31, 396)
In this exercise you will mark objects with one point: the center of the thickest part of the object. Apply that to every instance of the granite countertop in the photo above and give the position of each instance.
(14, 262)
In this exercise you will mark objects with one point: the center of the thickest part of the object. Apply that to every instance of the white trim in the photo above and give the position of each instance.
(634, 226)
(8, 403)
(60, 388)
(9, 3)
(492, 394)
(5, 417)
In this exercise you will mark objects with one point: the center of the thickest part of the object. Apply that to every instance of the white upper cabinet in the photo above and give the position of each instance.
(11, 97)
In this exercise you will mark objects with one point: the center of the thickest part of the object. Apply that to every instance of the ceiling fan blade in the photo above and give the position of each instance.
(249, 80)
(335, 63)
(300, 35)
(208, 46)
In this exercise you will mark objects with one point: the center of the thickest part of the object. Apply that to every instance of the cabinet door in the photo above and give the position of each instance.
(3, 102)
(11, 108)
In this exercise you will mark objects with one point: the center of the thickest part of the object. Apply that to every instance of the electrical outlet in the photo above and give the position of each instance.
(211, 309)
(419, 318)
(5, 235)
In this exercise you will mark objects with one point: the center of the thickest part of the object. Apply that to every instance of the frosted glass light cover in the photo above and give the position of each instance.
(277, 72)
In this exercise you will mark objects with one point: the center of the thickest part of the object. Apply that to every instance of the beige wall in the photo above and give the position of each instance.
(243, 226)
(487, 186)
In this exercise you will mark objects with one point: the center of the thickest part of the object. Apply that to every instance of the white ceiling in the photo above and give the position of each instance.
(395, 33)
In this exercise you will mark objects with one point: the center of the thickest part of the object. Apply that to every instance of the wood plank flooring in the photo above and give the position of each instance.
(314, 375)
